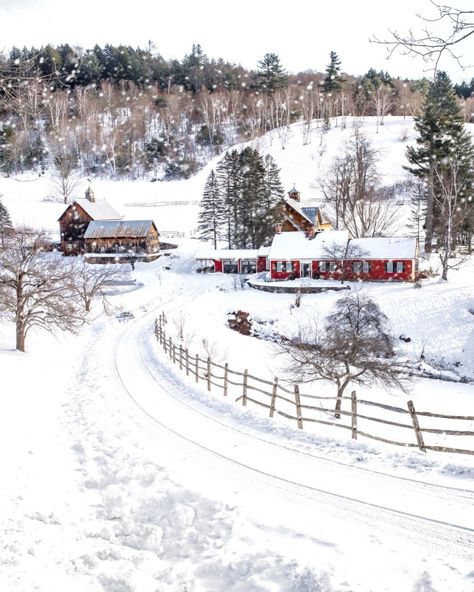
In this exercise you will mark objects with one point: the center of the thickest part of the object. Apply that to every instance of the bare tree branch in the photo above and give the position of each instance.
(429, 45)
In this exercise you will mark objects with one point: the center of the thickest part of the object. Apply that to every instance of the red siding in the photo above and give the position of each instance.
(261, 264)
(284, 275)
(217, 265)
(377, 271)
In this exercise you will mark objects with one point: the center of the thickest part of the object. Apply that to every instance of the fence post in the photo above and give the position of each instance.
(354, 415)
(156, 329)
(226, 377)
(187, 362)
(244, 388)
(416, 426)
(208, 373)
(170, 348)
(197, 367)
(274, 395)
(174, 352)
(299, 418)
(180, 357)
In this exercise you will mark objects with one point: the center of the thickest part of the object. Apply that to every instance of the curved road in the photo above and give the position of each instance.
(275, 483)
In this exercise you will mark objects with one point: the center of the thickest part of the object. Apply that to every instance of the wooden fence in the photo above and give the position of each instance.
(286, 400)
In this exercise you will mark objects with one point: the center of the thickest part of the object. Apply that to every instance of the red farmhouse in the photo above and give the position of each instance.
(332, 254)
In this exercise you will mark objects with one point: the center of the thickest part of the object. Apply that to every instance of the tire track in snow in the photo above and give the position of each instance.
(441, 532)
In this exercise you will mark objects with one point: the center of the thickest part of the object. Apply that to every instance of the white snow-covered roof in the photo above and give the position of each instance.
(263, 251)
(296, 245)
(98, 210)
(233, 254)
(393, 247)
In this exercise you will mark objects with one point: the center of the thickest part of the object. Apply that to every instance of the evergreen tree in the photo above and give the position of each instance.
(228, 174)
(5, 224)
(441, 138)
(251, 193)
(270, 75)
(211, 216)
(333, 79)
(193, 69)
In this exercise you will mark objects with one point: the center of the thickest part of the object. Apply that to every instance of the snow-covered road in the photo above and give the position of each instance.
(124, 477)
(274, 482)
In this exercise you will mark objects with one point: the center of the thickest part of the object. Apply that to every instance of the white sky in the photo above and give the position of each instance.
(301, 32)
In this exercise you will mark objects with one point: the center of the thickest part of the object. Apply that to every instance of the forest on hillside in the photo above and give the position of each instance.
(125, 112)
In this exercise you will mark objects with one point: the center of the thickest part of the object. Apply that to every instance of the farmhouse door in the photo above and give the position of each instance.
(305, 269)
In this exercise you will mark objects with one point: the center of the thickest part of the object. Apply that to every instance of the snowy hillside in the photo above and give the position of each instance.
(121, 474)
(300, 164)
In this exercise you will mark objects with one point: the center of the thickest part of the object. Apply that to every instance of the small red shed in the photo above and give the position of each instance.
(245, 261)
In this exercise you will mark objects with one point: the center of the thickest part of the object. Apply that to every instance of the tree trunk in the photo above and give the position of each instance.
(20, 337)
(340, 391)
(429, 211)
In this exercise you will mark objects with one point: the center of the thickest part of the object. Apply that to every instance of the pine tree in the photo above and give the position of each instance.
(441, 138)
(333, 79)
(228, 174)
(250, 192)
(332, 86)
(211, 216)
(5, 223)
(270, 75)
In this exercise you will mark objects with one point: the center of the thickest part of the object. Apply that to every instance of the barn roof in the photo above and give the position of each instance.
(97, 210)
(393, 247)
(309, 211)
(296, 245)
(119, 229)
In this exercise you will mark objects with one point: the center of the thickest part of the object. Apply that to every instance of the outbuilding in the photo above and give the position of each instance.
(245, 261)
(76, 218)
(121, 240)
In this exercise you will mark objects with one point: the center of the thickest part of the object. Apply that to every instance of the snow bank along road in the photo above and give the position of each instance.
(274, 482)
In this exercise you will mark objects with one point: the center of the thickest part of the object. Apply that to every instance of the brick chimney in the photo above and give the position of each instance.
(278, 228)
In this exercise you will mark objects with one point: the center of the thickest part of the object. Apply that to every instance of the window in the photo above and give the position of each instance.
(327, 266)
(395, 267)
(248, 266)
(283, 266)
(229, 266)
(205, 265)
(357, 266)
(365, 266)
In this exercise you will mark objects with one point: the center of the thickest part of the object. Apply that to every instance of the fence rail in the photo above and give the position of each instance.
(290, 403)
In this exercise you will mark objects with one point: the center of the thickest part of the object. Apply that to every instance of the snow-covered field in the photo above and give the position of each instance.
(119, 475)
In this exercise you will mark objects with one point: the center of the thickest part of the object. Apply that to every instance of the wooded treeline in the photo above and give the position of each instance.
(126, 112)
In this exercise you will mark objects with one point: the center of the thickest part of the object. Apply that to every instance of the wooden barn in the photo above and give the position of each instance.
(301, 216)
(245, 261)
(331, 255)
(123, 241)
(75, 219)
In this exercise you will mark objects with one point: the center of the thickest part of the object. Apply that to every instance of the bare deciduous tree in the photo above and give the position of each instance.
(90, 282)
(35, 288)
(339, 254)
(64, 178)
(433, 45)
(453, 182)
(353, 346)
(351, 188)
